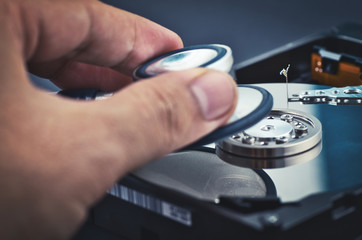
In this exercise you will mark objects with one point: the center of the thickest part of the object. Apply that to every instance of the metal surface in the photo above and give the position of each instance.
(335, 165)
(248, 100)
(333, 96)
(203, 175)
(214, 56)
(270, 163)
(267, 144)
(338, 165)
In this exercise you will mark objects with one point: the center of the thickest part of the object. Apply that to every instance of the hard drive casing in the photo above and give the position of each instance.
(335, 213)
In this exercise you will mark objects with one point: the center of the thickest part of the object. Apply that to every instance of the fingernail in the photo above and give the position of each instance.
(215, 93)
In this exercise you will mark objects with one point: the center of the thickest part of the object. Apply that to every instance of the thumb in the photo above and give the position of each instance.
(159, 115)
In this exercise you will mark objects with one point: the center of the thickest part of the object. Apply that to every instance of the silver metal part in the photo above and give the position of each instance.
(191, 58)
(202, 175)
(248, 100)
(332, 96)
(103, 95)
(285, 137)
(285, 73)
(268, 130)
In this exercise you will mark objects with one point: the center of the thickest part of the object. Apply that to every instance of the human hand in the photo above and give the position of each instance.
(59, 156)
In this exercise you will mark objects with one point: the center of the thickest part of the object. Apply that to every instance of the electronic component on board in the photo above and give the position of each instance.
(335, 69)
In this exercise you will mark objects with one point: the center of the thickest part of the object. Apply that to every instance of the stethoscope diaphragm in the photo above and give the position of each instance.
(214, 56)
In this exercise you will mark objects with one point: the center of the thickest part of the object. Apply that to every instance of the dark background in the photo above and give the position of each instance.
(249, 27)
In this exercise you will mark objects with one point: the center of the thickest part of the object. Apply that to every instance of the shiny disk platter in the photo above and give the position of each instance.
(284, 138)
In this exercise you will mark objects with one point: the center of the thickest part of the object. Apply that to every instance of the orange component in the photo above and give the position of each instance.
(347, 75)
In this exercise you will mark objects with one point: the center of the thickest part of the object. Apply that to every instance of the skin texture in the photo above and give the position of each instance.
(59, 156)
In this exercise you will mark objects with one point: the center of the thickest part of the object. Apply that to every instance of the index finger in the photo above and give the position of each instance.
(90, 32)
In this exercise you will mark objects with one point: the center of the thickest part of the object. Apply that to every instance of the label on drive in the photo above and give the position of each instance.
(156, 205)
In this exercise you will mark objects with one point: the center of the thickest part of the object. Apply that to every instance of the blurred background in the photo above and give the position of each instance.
(249, 27)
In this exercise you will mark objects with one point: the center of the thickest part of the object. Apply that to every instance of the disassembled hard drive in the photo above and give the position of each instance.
(291, 172)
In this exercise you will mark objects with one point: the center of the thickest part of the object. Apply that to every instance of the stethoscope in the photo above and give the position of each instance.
(254, 103)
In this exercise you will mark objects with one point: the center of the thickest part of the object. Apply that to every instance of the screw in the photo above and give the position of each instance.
(248, 140)
(287, 117)
(300, 128)
(282, 140)
(236, 137)
(270, 220)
